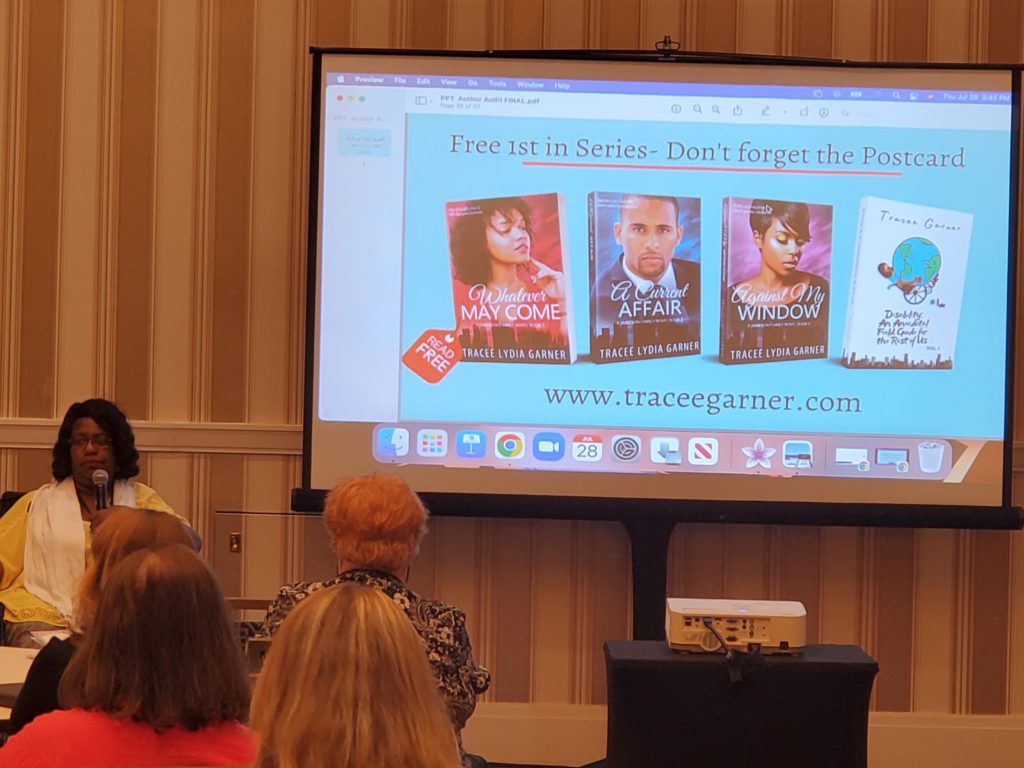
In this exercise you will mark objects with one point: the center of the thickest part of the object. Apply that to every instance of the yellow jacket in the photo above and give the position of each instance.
(20, 604)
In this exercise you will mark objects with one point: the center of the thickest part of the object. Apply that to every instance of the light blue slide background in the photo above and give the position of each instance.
(967, 401)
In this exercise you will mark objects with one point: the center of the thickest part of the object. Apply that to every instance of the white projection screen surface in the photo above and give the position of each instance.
(742, 286)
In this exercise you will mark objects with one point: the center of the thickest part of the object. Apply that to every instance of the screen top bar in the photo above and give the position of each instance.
(534, 84)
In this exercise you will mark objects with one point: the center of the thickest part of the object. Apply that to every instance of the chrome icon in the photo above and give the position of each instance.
(509, 445)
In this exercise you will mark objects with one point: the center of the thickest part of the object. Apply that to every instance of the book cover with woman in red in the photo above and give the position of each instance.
(509, 279)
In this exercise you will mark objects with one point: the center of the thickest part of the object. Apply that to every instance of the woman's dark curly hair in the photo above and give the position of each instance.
(111, 420)
(470, 257)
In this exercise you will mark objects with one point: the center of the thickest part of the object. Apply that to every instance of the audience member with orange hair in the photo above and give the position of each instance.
(159, 679)
(375, 523)
(345, 685)
(124, 531)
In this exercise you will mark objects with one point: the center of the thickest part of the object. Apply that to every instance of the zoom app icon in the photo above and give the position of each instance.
(625, 447)
(509, 445)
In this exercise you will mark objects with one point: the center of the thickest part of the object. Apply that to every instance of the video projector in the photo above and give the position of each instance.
(771, 626)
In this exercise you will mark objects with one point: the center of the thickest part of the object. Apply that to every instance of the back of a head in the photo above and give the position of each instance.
(375, 521)
(160, 649)
(126, 530)
(346, 685)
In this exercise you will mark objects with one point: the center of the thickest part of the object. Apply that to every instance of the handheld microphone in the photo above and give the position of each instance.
(100, 478)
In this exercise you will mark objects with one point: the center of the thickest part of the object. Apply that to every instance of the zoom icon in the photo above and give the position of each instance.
(625, 447)
(509, 445)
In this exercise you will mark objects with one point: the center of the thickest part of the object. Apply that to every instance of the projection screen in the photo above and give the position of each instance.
(695, 283)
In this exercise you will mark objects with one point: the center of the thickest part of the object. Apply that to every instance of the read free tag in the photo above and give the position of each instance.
(433, 355)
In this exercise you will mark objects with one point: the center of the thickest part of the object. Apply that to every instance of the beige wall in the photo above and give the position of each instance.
(153, 190)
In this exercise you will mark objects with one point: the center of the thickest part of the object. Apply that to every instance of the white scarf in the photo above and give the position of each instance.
(55, 542)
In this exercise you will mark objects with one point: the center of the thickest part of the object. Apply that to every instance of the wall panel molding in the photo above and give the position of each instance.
(205, 99)
(130, 276)
(172, 437)
(231, 192)
(934, 633)
(45, 51)
(1015, 663)
(104, 343)
(81, 199)
(178, 205)
(964, 633)
(302, 75)
(12, 116)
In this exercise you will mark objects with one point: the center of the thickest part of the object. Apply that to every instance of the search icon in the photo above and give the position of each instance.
(714, 108)
(697, 109)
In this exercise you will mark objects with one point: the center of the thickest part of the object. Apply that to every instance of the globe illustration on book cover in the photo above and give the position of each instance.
(914, 269)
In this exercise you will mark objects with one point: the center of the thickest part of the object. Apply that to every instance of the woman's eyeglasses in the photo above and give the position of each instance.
(100, 441)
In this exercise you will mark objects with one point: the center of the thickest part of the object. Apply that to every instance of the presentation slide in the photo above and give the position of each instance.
(663, 280)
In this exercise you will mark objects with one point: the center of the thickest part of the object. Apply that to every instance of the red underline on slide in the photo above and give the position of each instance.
(638, 167)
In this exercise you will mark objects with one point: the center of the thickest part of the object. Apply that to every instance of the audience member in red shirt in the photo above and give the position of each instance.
(124, 531)
(158, 681)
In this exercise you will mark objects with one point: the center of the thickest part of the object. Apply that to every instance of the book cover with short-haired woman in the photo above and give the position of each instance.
(510, 280)
(776, 265)
(644, 276)
(907, 285)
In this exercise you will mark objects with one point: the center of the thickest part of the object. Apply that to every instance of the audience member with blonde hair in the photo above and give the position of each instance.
(375, 523)
(124, 531)
(345, 685)
(159, 679)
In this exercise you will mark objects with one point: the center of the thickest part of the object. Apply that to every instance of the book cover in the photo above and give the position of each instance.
(644, 276)
(907, 286)
(510, 280)
(776, 265)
